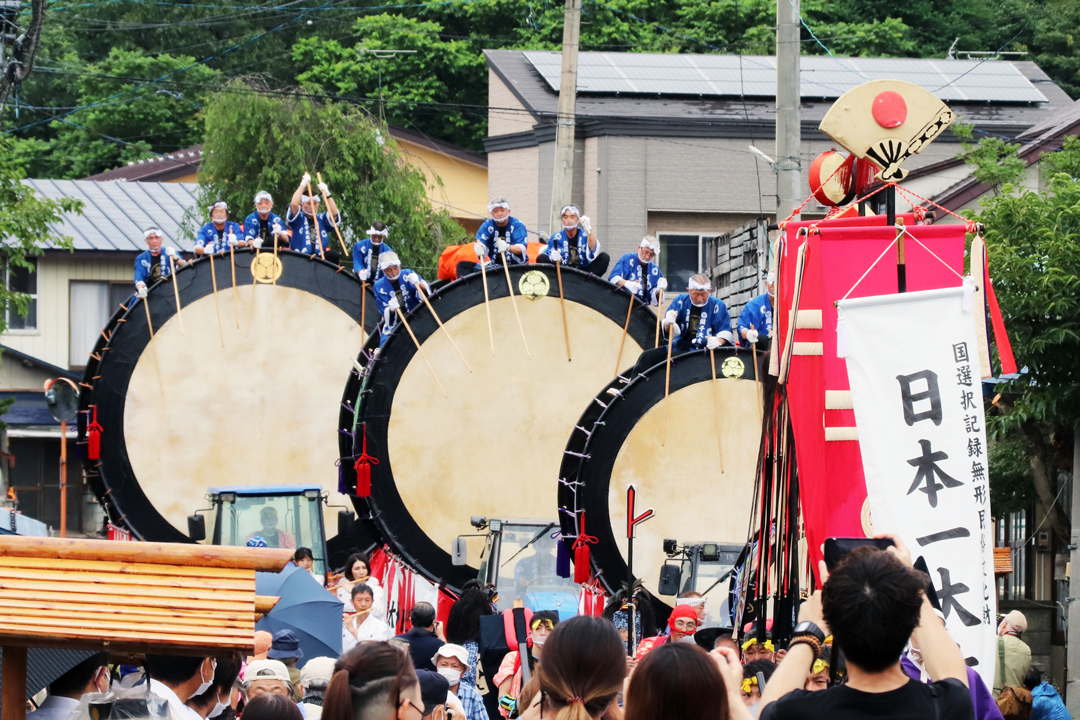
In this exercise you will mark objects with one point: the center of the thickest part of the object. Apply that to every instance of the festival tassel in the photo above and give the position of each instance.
(1001, 337)
(562, 560)
(93, 438)
(582, 553)
(363, 468)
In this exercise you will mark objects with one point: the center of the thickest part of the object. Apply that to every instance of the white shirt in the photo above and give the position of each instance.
(177, 709)
(370, 629)
(55, 707)
(378, 598)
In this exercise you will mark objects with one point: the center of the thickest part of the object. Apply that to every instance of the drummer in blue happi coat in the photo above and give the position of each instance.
(263, 226)
(757, 315)
(217, 235)
(365, 254)
(154, 263)
(698, 320)
(637, 273)
(396, 289)
(499, 235)
(311, 229)
(575, 245)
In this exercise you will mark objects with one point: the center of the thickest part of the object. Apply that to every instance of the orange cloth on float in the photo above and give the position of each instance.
(454, 254)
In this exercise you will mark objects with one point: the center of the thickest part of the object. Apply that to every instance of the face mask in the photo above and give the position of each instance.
(206, 683)
(569, 225)
(539, 640)
(687, 639)
(452, 676)
(218, 709)
(695, 304)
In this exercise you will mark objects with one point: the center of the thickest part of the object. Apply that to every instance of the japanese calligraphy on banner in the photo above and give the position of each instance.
(913, 367)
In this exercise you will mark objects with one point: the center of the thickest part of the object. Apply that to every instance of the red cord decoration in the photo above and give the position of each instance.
(582, 553)
(93, 438)
(363, 468)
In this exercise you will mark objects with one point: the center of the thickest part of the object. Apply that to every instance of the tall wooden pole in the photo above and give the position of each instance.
(63, 483)
(788, 108)
(13, 703)
(563, 177)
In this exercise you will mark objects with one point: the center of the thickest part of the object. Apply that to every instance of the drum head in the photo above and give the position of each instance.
(492, 447)
(199, 407)
(618, 443)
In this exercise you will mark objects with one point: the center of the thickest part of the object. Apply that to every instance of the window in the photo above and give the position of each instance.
(90, 311)
(23, 280)
(681, 255)
(35, 478)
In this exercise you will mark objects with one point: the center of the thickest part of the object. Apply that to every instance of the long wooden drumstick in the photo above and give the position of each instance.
(562, 302)
(236, 305)
(487, 303)
(659, 312)
(513, 301)
(330, 215)
(667, 386)
(421, 351)
(716, 409)
(625, 330)
(318, 230)
(760, 391)
(213, 279)
(420, 292)
(153, 347)
(176, 292)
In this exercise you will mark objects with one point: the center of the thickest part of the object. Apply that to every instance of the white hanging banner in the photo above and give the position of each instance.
(912, 360)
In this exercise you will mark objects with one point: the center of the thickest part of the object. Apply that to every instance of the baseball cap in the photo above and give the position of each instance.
(320, 668)
(433, 689)
(266, 670)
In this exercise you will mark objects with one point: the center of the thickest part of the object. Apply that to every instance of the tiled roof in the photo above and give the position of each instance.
(115, 214)
(161, 168)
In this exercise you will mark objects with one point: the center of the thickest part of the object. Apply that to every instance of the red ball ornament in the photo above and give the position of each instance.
(889, 109)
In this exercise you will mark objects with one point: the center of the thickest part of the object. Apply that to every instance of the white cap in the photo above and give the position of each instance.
(266, 670)
(650, 242)
(450, 650)
(152, 231)
(263, 195)
(320, 668)
(388, 259)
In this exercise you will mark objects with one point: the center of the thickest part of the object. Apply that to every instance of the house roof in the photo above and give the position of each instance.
(719, 115)
(115, 213)
(161, 168)
(440, 146)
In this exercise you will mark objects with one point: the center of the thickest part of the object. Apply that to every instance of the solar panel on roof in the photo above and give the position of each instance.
(755, 76)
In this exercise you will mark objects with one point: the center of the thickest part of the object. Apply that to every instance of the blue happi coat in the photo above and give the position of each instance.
(361, 258)
(757, 313)
(144, 267)
(252, 228)
(303, 239)
(209, 238)
(714, 321)
(580, 243)
(516, 234)
(628, 267)
(408, 299)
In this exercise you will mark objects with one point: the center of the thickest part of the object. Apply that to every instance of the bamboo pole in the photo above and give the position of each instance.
(235, 302)
(513, 301)
(176, 293)
(330, 215)
(625, 330)
(421, 351)
(667, 387)
(659, 312)
(217, 305)
(318, 230)
(487, 303)
(153, 347)
(420, 292)
(562, 303)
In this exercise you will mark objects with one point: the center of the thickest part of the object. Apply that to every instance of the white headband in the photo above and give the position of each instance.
(263, 195)
(498, 205)
(152, 231)
(646, 244)
(770, 278)
(305, 198)
(388, 259)
(693, 284)
(219, 204)
(692, 602)
(380, 233)
(572, 209)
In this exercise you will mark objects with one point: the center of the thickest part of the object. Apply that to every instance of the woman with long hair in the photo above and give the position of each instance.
(358, 572)
(463, 623)
(582, 673)
(680, 681)
(374, 681)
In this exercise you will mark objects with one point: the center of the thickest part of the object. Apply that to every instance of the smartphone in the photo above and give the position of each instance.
(836, 548)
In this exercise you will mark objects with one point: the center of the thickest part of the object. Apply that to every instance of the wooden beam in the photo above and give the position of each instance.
(13, 703)
(148, 595)
(126, 568)
(217, 604)
(265, 603)
(163, 582)
(261, 559)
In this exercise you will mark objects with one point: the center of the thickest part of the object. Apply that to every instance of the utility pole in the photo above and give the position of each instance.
(788, 109)
(562, 181)
(1072, 635)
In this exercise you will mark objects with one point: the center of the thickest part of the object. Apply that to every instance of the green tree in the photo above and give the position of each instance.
(259, 142)
(128, 117)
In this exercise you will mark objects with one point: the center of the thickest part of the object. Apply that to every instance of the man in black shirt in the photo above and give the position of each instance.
(872, 603)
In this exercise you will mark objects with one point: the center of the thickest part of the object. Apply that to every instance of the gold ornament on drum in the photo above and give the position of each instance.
(867, 520)
(266, 268)
(534, 284)
(733, 367)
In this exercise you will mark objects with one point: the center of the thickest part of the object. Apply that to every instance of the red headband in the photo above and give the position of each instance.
(682, 611)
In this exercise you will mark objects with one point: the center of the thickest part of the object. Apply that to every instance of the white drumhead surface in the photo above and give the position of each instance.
(263, 410)
(494, 448)
(681, 479)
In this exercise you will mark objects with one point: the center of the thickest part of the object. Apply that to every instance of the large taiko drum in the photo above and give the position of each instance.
(254, 403)
(493, 446)
(620, 441)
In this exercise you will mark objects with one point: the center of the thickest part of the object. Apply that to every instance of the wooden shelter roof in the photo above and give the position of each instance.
(130, 597)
